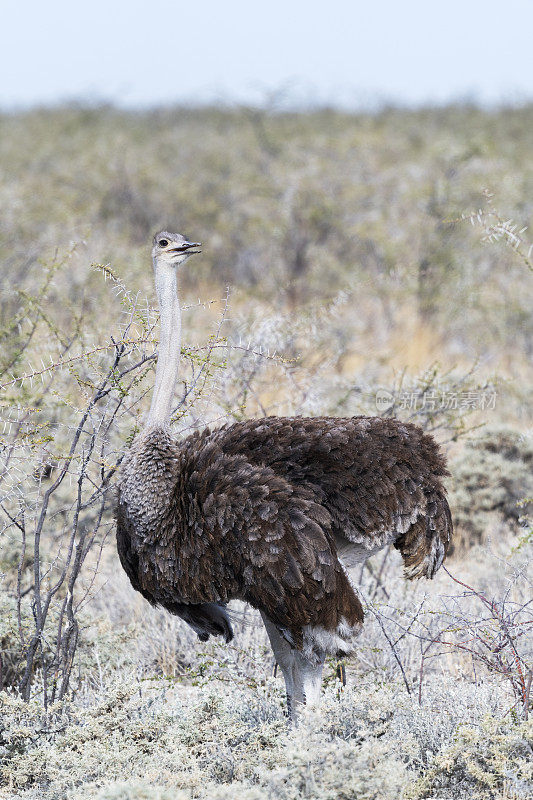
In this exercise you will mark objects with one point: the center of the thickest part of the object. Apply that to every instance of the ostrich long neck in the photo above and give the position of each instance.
(166, 373)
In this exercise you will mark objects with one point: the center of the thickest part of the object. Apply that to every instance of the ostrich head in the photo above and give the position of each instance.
(172, 249)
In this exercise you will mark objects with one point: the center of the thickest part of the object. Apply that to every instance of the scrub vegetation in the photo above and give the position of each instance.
(352, 264)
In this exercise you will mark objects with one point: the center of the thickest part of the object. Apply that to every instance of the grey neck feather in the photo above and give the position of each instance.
(166, 373)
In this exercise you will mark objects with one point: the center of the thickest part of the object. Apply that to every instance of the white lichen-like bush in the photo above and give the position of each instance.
(373, 741)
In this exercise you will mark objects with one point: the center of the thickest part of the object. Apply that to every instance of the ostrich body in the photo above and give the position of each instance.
(272, 511)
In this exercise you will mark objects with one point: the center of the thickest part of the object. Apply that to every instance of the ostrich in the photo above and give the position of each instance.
(272, 511)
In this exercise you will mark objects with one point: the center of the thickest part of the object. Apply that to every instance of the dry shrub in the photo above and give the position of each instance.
(490, 479)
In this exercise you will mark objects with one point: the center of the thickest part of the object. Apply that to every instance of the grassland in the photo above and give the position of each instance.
(364, 254)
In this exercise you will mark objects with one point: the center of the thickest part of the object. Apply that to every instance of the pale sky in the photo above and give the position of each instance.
(142, 53)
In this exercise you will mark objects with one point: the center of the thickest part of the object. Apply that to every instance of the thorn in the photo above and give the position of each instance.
(341, 673)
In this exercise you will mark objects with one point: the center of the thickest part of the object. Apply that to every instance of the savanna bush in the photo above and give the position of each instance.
(344, 238)
(491, 478)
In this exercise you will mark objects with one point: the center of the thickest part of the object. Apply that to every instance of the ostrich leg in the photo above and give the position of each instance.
(307, 677)
(303, 680)
(284, 655)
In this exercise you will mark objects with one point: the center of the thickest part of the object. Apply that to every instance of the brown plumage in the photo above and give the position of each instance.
(271, 511)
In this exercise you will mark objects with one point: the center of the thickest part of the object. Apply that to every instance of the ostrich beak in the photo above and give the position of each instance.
(185, 247)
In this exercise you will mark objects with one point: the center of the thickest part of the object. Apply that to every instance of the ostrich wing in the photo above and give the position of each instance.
(379, 479)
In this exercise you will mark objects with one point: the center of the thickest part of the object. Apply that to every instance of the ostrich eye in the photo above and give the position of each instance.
(163, 242)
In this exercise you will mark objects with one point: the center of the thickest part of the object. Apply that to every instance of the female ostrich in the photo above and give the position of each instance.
(272, 511)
